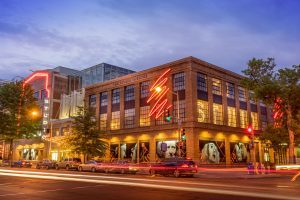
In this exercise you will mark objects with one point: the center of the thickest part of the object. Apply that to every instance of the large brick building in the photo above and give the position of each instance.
(214, 111)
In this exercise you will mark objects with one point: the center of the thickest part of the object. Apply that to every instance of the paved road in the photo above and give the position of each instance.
(43, 184)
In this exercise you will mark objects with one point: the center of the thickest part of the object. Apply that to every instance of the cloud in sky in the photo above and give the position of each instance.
(141, 34)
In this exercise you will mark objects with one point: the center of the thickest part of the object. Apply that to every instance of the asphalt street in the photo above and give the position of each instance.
(51, 184)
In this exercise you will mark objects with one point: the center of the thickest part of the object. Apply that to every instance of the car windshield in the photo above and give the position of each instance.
(77, 160)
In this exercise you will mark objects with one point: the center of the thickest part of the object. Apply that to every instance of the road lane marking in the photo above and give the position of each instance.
(157, 186)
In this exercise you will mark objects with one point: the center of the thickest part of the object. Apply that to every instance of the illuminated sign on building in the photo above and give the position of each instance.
(159, 91)
(40, 74)
(46, 109)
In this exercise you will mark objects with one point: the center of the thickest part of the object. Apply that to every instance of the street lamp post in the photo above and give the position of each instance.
(178, 122)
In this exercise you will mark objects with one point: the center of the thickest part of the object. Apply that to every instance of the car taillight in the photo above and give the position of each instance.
(23, 163)
(184, 166)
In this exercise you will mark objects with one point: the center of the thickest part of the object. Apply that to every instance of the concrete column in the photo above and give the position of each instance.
(210, 99)
(191, 95)
(97, 112)
(152, 149)
(137, 104)
(224, 103)
(237, 105)
(227, 151)
(190, 143)
(109, 99)
(122, 112)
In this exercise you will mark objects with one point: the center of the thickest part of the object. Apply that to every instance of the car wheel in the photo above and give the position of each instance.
(133, 173)
(80, 169)
(67, 168)
(38, 167)
(152, 172)
(56, 167)
(176, 173)
(93, 169)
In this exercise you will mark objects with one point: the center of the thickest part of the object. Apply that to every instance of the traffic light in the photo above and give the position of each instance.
(250, 132)
(182, 134)
(167, 116)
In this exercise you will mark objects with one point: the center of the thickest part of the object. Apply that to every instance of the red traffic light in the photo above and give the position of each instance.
(249, 129)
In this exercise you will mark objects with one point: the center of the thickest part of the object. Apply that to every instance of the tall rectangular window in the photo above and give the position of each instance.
(217, 114)
(103, 121)
(103, 99)
(202, 109)
(251, 97)
(254, 119)
(36, 95)
(129, 93)
(129, 118)
(116, 96)
(43, 94)
(145, 89)
(181, 111)
(243, 118)
(92, 101)
(231, 116)
(242, 94)
(216, 86)
(201, 82)
(230, 90)
(144, 116)
(264, 121)
(115, 120)
(179, 81)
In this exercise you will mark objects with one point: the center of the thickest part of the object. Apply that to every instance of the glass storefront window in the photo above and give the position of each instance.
(231, 116)
(115, 120)
(243, 118)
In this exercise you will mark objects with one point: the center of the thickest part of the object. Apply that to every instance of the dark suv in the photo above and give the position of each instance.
(177, 167)
(68, 163)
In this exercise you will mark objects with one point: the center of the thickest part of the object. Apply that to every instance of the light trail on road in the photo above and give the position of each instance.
(145, 185)
(137, 179)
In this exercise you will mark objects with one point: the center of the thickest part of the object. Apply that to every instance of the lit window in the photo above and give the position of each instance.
(144, 116)
(103, 99)
(145, 89)
(129, 118)
(179, 81)
(202, 108)
(230, 90)
(116, 96)
(115, 120)
(181, 110)
(202, 82)
(217, 114)
(243, 118)
(129, 93)
(103, 121)
(231, 116)
(242, 94)
(216, 86)
(254, 119)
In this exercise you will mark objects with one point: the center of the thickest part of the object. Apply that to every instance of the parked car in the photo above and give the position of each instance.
(22, 163)
(48, 164)
(177, 167)
(91, 165)
(120, 166)
(68, 163)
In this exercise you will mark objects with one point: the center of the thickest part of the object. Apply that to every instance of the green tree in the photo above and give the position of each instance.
(85, 138)
(279, 89)
(17, 106)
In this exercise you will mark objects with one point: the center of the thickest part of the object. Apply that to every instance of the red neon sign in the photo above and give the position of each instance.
(159, 91)
(40, 74)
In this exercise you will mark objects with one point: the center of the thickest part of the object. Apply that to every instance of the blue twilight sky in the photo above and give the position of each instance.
(138, 34)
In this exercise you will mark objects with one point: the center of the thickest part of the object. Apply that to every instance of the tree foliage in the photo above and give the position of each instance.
(16, 106)
(279, 89)
(85, 138)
